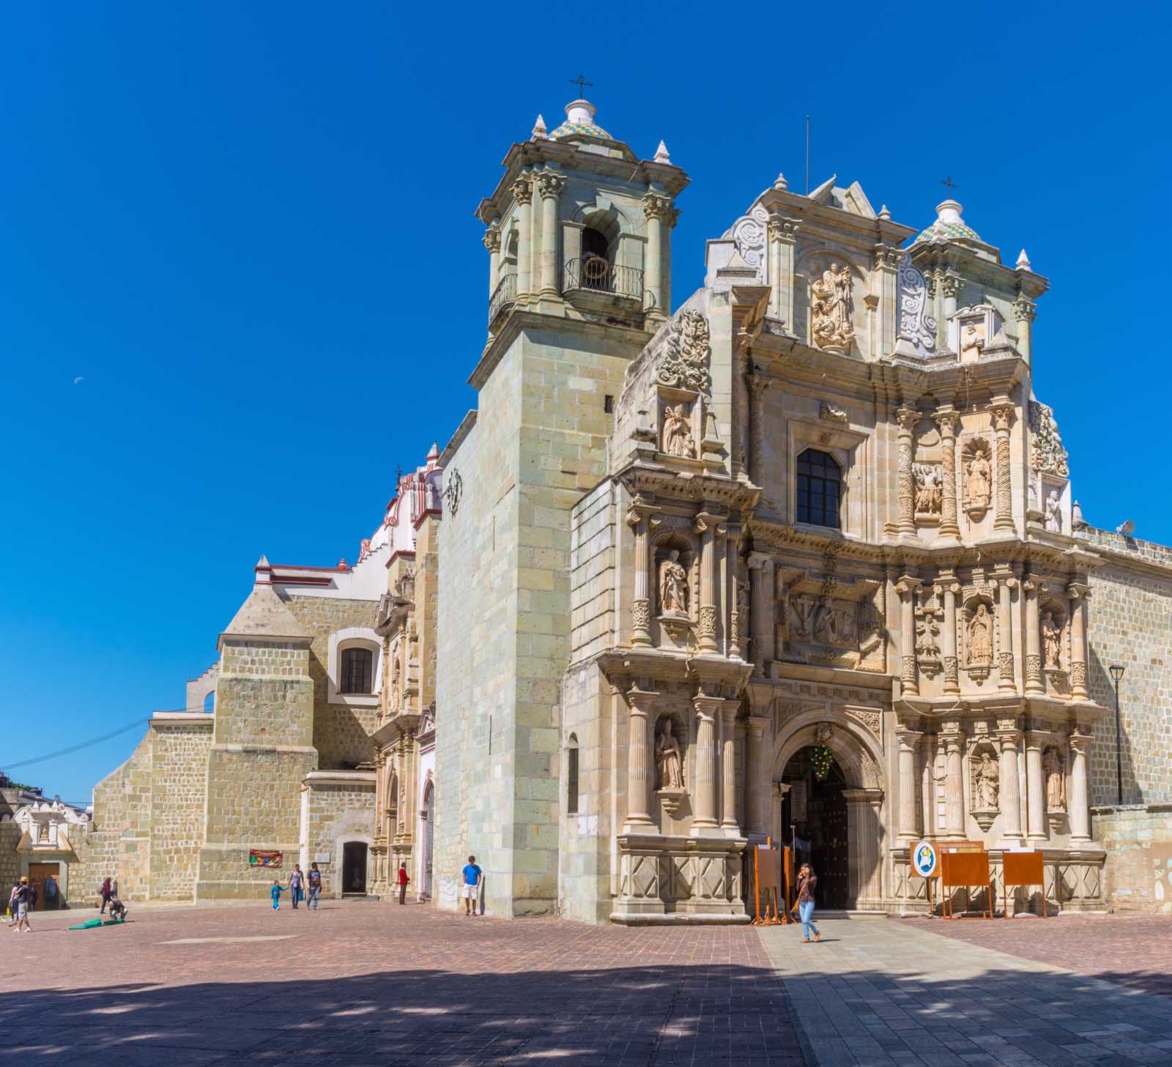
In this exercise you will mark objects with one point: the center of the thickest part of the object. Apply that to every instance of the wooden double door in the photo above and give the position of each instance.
(38, 877)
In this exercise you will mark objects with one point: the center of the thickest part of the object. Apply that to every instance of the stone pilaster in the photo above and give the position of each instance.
(735, 636)
(658, 210)
(492, 241)
(1009, 796)
(1078, 593)
(756, 785)
(905, 419)
(639, 705)
(954, 815)
(907, 588)
(704, 814)
(728, 769)
(1035, 788)
(783, 234)
(946, 420)
(1033, 655)
(639, 518)
(909, 740)
(887, 260)
(550, 184)
(1006, 583)
(948, 647)
(707, 526)
(864, 865)
(757, 388)
(1080, 825)
(761, 574)
(950, 287)
(1024, 311)
(1002, 412)
(523, 194)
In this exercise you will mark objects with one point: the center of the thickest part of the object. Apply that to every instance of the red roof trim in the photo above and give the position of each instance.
(309, 580)
(295, 567)
(426, 512)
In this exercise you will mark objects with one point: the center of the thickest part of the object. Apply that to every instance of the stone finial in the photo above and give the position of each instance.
(264, 571)
(884, 214)
(433, 455)
(1076, 519)
(343, 565)
(781, 183)
(1023, 261)
(540, 133)
(580, 112)
(950, 211)
(661, 154)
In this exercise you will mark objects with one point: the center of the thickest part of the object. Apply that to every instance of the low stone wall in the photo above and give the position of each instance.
(1138, 840)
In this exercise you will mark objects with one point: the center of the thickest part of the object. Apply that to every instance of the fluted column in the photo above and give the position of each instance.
(1009, 794)
(657, 209)
(1078, 593)
(707, 708)
(523, 194)
(948, 646)
(756, 785)
(757, 388)
(1035, 788)
(728, 769)
(492, 241)
(761, 617)
(1006, 583)
(1002, 412)
(783, 234)
(1080, 826)
(707, 526)
(950, 287)
(551, 184)
(946, 420)
(735, 635)
(909, 828)
(906, 588)
(954, 820)
(905, 419)
(639, 705)
(639, 519)
(1033, 655)
(1024, 311)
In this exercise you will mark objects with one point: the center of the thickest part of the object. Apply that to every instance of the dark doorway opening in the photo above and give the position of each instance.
(354, 867)
(814, 815)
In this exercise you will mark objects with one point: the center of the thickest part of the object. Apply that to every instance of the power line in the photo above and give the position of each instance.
(78, 747)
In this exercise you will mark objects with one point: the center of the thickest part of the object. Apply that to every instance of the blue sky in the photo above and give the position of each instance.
(249, 228)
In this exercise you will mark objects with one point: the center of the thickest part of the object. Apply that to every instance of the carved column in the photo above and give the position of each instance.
(1033, 655)
(551, 185)
(864, 863)
(783, 234)
(756, 785)
(728, 769)
(523, 194)
(1002, 412)
(639, 519)
(707, 708)
(906, 420)
(946, 420)
(906, 588)
(1006, 583)
(887, 260)
(948, 648)
(1035, 788)
(1078, 593)
(492, 241)
(1080, 826)
(707, 527)
(954, 820)
(735, 638)
(639, 705)
(1024, 311)
(1009, 795)
(657, 209)
(909, 828)
(950, 287)
(761, 573)
(757, 387)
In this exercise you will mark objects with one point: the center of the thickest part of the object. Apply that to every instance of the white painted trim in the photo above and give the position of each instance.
(353, 637)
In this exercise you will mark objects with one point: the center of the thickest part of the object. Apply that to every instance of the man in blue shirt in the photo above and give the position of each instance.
(472, 878)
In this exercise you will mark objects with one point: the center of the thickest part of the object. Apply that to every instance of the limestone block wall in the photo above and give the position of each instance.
(179, 754)
(1138, 872)
(338, 813)
(9, 858)
(264, 694)
(1130, 623)
(593, 556)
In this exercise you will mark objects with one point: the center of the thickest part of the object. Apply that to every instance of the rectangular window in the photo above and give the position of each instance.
(572, 783)
(357, 671)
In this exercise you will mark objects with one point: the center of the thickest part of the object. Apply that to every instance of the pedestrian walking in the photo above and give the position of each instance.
(50, 892)
(25, 898)
(12, 903)
(807, 883)
(473, 876)
(105, 892)
(403, 880)
(276, 892)
(296, 885)
(314, 887)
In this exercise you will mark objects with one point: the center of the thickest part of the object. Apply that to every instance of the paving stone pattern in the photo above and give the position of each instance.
(879, 992)
(372, 983)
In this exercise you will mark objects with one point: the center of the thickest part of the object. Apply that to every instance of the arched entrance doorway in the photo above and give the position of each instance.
(814, 821)
(354, 867)
(427, 817)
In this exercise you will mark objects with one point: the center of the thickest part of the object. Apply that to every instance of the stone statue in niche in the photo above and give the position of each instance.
(677, 433)
(927, 635)
(981, 636)
(1053, 519)
(929, 488)
(831, 307)
(668, 766)
(986, 783)
(1051, 641)
(1052, 768)
(972, 339)
(673, 585)
(978, 480)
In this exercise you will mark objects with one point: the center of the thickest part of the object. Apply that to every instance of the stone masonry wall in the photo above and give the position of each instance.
(9, 858)
(1138, 872)
(337, 814)
(592, 570)
(179, 755)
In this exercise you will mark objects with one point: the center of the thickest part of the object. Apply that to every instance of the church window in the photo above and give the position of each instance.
(572, 776)
(594, 245)
(357, 670)
(819, 488)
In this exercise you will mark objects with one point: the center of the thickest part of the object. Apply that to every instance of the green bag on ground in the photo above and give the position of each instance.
(88, 925)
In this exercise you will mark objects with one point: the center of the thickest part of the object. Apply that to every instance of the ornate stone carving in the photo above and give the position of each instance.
(915, 324)
(453, 490)
(1051, 641)
(641, 614)
(832, 414)
(673, 586)
(824, 733)
(657, 207)
(951, 670)
(831, 309)
(1078, 674)
(669, 768)
(928, 638)
(677, 433)
(1033, 665)
(1053, 518)
(972, 339)
(523, 190)
(748, 234)
(872, 720)
(980, 632)
(978, 476)
(1053, 767)
(706, 626)
(1046, 451)
(683, 362)
(551, 184)
(929, 488)
(492, 239)
(986, 788)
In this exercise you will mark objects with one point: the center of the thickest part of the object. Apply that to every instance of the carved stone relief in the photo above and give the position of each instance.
(986, 786)
(915, 324)
(673, 586)
(1046, 451)
(677, 432)
(1051, 641)
(832, 413)
(978, 477)
(831, 309)
(1053, 768)
(1053, 517)
(669, 767)
(683, 360)
(830, 622)
(929, 490)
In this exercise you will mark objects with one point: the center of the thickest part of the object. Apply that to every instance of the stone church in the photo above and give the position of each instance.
(798, 559)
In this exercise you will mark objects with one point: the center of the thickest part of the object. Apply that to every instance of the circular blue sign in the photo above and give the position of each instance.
(924, 859)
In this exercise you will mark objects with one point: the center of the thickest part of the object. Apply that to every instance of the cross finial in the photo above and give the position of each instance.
(581, 83)
(949, 184)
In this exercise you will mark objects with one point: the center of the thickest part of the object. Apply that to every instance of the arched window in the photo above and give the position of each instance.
(595, 244)
(819, 489)
(357, 670)
(572, 775)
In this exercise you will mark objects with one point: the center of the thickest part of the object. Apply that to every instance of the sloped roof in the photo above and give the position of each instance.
(264, 614)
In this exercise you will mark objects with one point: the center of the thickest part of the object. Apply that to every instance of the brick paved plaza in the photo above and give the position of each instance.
(377, 984)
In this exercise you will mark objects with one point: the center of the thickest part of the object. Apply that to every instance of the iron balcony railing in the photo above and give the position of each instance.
(600, 276)
(503, 296)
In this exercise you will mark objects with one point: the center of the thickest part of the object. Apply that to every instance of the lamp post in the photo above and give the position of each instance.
(1117, 673)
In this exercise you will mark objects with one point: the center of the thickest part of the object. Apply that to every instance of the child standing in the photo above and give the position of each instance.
(275, 893)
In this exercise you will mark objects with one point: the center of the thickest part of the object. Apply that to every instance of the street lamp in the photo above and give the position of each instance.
(1117, 673)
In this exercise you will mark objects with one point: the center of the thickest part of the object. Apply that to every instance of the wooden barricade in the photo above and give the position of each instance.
(1023, 868)
(767, 871)
(964, 868)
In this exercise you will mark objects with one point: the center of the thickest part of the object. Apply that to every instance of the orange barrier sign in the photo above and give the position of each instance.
(1023, 868)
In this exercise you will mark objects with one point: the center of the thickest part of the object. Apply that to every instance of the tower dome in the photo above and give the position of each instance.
(949, 226)
(580, 123)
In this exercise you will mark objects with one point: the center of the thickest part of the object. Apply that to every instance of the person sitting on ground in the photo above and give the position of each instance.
(118, 910)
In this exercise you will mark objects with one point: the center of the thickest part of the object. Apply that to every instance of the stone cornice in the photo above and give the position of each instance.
(672, 486)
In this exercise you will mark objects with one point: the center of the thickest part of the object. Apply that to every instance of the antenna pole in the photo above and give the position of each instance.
(807, 155)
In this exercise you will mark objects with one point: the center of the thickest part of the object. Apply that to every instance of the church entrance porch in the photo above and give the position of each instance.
(814, 821)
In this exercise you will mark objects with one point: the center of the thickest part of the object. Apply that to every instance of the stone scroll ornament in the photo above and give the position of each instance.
(1046, 451)
(683, 363)
(915, 324)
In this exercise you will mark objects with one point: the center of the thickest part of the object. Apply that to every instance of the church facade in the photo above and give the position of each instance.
(799, 560)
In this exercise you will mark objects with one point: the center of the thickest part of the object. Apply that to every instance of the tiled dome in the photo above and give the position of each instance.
(580, 123)
(949, 226)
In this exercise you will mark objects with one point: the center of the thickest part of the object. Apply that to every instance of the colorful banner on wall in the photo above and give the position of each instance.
(259, 858)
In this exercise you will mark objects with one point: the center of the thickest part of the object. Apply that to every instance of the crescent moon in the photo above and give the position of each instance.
(78, 380)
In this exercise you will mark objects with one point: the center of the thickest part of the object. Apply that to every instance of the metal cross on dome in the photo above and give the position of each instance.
(949, 184)
(581, 83)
